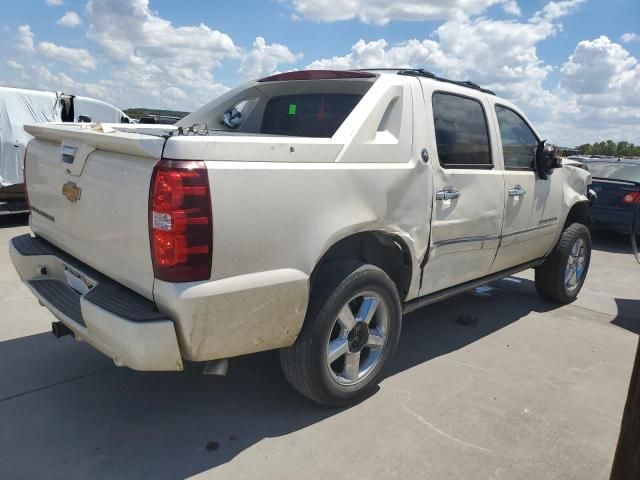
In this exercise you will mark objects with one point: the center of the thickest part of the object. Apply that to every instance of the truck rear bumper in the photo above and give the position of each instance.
(116, 321)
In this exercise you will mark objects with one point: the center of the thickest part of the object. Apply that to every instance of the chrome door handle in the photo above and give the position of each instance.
(517, 191)
(447, 194)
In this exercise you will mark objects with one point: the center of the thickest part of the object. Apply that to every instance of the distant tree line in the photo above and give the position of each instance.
(610, 148)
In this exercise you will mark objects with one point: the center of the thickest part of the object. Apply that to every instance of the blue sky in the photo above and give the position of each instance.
(572, 65)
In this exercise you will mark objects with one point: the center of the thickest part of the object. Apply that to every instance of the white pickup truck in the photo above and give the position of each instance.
(304, 212)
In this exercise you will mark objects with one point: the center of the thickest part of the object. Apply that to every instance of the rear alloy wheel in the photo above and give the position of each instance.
(563, 273)
(350, 332)
(357, 338)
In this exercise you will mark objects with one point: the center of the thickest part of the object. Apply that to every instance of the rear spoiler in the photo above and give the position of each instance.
(101, 137)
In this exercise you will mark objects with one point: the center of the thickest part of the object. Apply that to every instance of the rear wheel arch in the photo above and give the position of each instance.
(386, 251)
(318, 363)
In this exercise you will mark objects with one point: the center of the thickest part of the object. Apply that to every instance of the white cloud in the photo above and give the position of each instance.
(24, 39)
(129, 32)
(78, 58)
(145, 60)
(512, 8)
(55, 3)
(599, 66)
(630, 37)
(599, 91)
(384, 11)
(555, 10)
(379, 54)
(602, 80)
(39, 77)
(69, 85)
(264, 59)
(15, 65)
(498, 54)
(597, 98)
(150, 55)
(69, 19)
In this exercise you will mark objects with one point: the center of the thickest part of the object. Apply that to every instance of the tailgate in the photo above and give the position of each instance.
(89, 194)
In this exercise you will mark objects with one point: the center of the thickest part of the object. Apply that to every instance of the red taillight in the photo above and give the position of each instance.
(632, 198)
(180, 221)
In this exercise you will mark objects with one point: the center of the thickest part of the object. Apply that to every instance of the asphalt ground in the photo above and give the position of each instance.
(532, 391)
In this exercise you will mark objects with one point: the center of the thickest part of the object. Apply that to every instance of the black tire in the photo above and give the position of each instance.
(305, 363)
(550, 276)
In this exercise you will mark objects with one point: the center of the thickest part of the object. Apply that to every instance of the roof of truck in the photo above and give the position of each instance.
(365, 73)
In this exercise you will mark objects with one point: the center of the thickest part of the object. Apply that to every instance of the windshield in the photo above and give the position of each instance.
(615, 171)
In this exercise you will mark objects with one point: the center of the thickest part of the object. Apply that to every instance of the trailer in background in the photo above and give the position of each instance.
(19, 107)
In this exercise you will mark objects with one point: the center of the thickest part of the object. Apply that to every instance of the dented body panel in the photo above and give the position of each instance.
(575, 183)
(275, 220)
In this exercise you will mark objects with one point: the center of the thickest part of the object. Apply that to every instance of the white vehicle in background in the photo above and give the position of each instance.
(19, 107)
(304, 212)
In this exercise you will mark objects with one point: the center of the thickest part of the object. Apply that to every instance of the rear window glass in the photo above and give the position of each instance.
(311, 115)
(615, 171)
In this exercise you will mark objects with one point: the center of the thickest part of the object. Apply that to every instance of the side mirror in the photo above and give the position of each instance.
(547, 159)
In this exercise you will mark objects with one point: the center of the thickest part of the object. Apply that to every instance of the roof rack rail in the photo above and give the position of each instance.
(421, 72)
(380, 69)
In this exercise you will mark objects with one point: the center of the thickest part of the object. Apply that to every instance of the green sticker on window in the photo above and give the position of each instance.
(292, 109)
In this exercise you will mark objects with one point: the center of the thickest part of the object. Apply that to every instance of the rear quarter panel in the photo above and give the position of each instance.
(274, 220)
(272, 224)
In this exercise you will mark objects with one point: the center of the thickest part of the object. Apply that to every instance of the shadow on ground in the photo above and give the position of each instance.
(611, 242)
(12, 221)
(66, 412)
(628, 314)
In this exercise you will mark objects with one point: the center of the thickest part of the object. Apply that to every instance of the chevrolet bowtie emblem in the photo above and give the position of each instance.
(71, 191)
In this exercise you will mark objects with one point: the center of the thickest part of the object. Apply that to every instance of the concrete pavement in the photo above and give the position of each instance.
(534, 391)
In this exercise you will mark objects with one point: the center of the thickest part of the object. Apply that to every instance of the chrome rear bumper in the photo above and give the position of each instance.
(115, 320)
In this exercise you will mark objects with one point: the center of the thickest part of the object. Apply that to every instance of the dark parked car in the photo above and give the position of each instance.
(617, 184)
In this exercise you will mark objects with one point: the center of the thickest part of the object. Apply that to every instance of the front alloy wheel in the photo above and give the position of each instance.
(575, 265)
(563, 273)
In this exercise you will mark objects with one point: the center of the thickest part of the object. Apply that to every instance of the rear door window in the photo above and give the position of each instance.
(462, 134)
(310, 115)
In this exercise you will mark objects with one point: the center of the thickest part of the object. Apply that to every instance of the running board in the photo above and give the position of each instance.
(420, 302)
